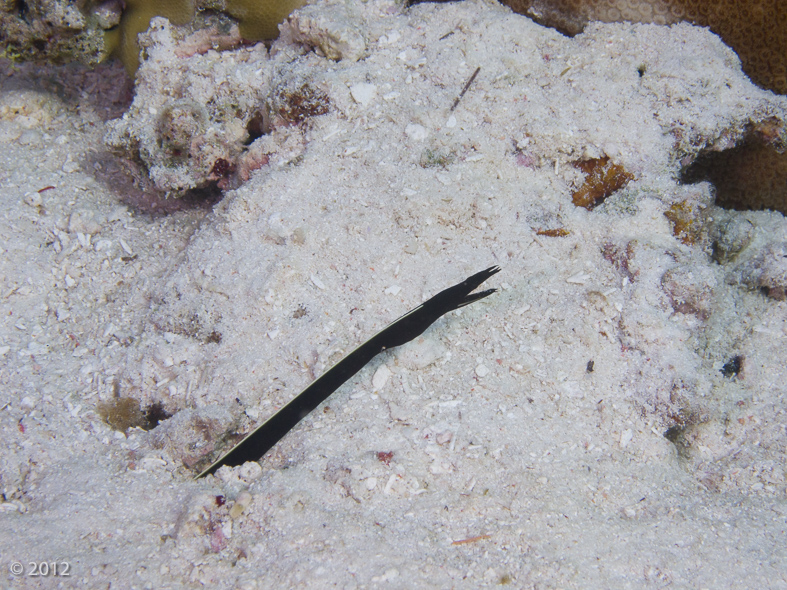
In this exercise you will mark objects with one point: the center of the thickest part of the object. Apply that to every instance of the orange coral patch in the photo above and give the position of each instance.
(603, 179)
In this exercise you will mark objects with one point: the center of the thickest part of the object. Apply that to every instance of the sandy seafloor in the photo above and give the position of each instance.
(483, 454)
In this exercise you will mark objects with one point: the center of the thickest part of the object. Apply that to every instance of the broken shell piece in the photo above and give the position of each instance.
(440, 467)
(625, 437)
(243, 501)
(444, 437)
(381, 376)
(363, 93)
(416, 132)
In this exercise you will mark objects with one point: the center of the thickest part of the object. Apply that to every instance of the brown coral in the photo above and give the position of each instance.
(603, 178)
(687, 219)
(750, 176)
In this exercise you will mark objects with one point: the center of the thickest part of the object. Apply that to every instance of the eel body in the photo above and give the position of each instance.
(403, 330)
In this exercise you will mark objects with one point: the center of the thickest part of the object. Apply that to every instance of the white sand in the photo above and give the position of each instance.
(509, 462)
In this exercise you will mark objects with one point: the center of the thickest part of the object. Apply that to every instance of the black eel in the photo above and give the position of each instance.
(408, 327)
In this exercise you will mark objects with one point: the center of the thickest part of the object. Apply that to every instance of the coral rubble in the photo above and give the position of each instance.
(755, 29)
(88, 31)
(202, 117)
(183, 125)
(58, 31)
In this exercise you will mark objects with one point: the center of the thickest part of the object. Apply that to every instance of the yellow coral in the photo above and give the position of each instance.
(258, 20)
